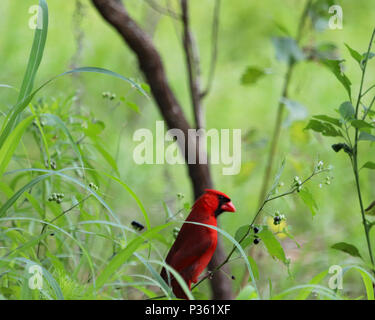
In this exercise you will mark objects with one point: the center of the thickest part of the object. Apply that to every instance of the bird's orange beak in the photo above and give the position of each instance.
(228, 206)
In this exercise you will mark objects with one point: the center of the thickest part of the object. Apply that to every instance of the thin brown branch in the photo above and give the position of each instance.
(163, 11)
(214, 48)
(192, 64)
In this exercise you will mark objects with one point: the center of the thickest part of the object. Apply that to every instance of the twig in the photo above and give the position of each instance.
(164, 11)
(59, 216)
(214, 48)
(193, 65)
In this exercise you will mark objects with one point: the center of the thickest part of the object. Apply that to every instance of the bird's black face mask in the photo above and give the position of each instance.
(222, 205)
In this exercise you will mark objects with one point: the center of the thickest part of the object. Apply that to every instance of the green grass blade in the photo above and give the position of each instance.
(317, 288)
(156, 276)
(368, 280)
(11, 143)
(84, 250)
(37, 50)
(47, 174)
(59, 123)
(304, 294)
(51, 281)
(119, 259)
(133, 194)
(178, 277)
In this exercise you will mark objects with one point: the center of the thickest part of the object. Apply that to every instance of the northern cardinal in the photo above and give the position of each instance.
(195, 244)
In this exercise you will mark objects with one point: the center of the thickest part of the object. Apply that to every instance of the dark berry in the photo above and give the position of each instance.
(276, 220)
(256, 230)
(256, 240)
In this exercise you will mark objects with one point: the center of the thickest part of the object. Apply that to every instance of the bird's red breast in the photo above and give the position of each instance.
(195, 244)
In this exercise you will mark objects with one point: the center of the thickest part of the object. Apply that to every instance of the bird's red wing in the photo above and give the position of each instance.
(187, 254)
(191, 242)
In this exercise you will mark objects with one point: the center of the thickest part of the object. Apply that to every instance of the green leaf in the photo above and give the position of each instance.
(364, 136)
(287, 49)
(252, 75)
(369, 165)
(346, 110)
(94, 128)
(11, 143)
(347, 248)
(277, 178)
(304, 293)
(326, 129)
(355, 54)
(329, 119)
(308, 199)
(368, 285)
(334, 66)
(365, 57)
(133, 106)
(254, 267)
(273, 245)
(107, 157)
(240, 233)
(326, 50)
(37, 51)
(360, 124)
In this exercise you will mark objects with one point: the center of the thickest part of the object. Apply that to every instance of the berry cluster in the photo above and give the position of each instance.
(93, 186)
(297, 183)
(256, 238)
(57, 197)
(109, 95)
(175, 232)
(278, 218)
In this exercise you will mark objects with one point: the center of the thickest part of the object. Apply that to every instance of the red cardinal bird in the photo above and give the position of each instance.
(195, 244)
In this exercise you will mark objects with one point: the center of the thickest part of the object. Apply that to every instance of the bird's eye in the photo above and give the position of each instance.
(223, 199)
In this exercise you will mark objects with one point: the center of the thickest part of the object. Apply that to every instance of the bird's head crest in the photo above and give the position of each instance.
(217, 202)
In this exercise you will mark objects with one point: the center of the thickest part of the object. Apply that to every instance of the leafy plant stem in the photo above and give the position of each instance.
(355, 156)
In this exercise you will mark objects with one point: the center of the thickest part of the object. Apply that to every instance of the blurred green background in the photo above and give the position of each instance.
(246, 30)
